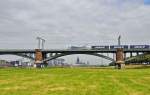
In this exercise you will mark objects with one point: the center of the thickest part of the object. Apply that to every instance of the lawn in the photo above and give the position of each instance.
(74, 81)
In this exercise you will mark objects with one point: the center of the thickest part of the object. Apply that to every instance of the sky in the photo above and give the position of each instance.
(73, 22)
(146, 1)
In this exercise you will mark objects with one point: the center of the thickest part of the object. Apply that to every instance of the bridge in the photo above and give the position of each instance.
(41, 56)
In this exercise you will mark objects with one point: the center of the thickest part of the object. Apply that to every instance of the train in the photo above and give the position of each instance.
(101, 47)
(122, 46)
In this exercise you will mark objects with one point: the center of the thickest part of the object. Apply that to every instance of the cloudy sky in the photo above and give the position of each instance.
(73, 22)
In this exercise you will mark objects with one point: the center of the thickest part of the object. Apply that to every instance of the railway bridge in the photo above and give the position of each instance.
(41, 56)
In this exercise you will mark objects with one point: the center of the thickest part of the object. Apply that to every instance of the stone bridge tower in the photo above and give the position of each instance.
(120, 58)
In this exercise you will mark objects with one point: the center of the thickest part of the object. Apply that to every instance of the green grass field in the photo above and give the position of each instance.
(74, 81)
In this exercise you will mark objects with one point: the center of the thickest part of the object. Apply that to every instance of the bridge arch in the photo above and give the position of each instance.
(65, 54)
(21, 55)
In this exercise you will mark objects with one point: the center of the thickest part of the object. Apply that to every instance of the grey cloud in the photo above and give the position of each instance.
(64, 22)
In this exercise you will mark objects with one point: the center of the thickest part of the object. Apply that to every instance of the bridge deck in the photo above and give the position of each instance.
(9, 51)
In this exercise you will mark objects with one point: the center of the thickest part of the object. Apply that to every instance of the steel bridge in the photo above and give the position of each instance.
(42, 56)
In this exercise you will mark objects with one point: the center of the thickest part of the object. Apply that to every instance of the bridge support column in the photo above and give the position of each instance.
(44, 57)
(137, 53)
(38, 58)
(131, 55)
(120, 59)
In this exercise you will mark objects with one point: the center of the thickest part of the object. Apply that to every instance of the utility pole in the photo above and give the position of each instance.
(119, 40)
(41, 41)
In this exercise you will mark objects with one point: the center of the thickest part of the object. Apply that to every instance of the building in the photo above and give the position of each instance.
(56, 62)
(4, 63)
(78, 62)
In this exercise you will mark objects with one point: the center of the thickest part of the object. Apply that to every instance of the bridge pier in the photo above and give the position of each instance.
(120, 58)
(38, 58)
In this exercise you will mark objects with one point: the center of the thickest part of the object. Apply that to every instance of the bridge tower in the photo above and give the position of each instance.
(120, 58)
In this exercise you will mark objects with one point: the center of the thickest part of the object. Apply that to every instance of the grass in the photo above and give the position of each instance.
(74, 81)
